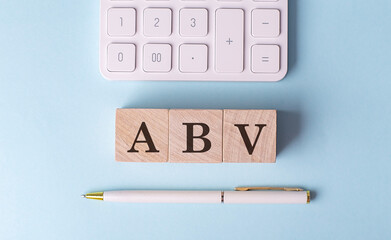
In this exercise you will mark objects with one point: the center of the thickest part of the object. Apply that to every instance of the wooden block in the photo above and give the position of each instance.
(141, 135)
(250, 136)
(196, 136)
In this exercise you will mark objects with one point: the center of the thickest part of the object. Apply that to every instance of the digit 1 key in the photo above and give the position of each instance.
(229, 40)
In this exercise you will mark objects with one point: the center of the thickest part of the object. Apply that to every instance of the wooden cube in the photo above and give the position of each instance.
(250, 136)
(196, 136)
(141, 135)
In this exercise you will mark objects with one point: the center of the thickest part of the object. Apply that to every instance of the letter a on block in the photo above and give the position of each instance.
(141, 135)
(196, 136)
(148, 140)
(250, 136)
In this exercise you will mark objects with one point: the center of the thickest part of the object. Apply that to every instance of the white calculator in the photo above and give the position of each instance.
(194, 40)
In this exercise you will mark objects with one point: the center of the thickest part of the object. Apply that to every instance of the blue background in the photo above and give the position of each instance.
(57, 131)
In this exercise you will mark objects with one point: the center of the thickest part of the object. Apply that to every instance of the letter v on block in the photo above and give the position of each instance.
(242, 129)
(250, 136)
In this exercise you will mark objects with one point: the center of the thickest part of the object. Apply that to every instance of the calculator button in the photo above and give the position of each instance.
(266, 23)
(193, 22)
(157, 22)
(265, 59)
(193, 58)
(121, 22)
(157, 58)
(229, 40)
(121, 57)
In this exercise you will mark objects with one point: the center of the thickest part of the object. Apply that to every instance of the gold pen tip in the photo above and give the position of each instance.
(95, 196)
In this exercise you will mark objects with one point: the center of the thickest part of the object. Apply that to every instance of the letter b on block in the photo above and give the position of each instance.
(250, 136)
(196, 136)
(141, 135)
(190, 138)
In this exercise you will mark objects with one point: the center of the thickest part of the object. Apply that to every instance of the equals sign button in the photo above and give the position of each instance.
(265, 59)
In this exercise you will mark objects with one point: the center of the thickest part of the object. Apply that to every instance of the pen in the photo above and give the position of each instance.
(241, 195)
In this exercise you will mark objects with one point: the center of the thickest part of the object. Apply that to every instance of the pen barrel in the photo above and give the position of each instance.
(163, 196)
(266, 197)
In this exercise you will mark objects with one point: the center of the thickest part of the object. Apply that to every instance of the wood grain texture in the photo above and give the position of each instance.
(127, 127)
(179, 136)
(235, 150)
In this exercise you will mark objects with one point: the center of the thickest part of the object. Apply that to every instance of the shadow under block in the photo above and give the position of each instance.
(196, 136)
(250, 136)
(141, 135)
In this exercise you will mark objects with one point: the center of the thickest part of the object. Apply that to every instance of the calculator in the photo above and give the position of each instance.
(194, 40)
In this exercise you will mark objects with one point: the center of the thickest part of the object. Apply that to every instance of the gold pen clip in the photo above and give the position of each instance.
(275, 189)
(268, 188)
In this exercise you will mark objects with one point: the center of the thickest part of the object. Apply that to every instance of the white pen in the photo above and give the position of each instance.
(241, 195)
